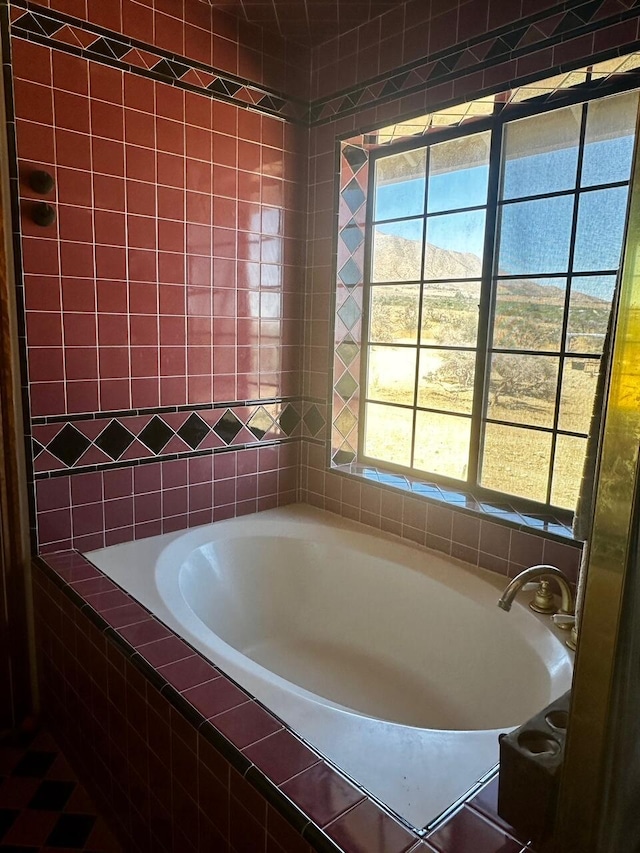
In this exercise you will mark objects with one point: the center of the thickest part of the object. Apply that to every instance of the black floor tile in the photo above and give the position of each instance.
(52, 796)
(7, 817)
(34, 763)
(71, 830)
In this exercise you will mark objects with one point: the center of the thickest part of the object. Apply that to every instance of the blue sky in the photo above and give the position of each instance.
(536, 234)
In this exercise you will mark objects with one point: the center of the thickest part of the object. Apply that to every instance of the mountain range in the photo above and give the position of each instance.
(398, 259)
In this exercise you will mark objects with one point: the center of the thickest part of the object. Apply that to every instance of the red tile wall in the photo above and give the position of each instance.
(195, 29)
(416, 29)
(172, 209)
(171, 276)
(411, 31)
(92, 510)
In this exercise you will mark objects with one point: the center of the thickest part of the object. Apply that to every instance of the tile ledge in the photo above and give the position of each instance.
(540, 524)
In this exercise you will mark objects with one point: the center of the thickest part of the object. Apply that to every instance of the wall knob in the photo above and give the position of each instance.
(43, 214)
(41, 182)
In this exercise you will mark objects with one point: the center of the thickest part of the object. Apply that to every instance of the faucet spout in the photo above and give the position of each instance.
(534, 573)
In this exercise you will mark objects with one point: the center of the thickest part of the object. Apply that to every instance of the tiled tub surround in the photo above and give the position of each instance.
(184, 760)
(124, 105)
(94, 509)
(302, 609)
(493, 537)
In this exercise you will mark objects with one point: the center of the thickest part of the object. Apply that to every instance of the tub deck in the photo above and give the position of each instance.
(416, 751)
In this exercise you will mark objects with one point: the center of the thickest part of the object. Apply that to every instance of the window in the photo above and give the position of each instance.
(492, 261)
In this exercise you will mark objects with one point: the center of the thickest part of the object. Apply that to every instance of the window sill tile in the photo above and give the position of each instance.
(500, 511)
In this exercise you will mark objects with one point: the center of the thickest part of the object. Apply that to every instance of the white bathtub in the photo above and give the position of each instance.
(394, 662)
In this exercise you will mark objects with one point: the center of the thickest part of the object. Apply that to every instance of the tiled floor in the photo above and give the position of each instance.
(43, 807)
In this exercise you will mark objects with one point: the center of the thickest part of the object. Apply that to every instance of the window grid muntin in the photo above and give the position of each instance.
(562, 354)
(418, 347)
(423, 257)
(496, 123)
(568, 273)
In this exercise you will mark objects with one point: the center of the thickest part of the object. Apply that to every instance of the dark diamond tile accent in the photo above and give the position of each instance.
(168, 68)
(71, 830)
(440, 69)
(289, 419)
(164, 68)
(500, 47)
(271, 103)
(260, 423)
(223, 87)
(231, 87)
(347, 351)
(389, 88)
(114, 439)
(401, 79)
(109, 48)
(346, 386)
(39, 25)
(396, 82)
(68, 445)
(29, 23)
(353, 196)
(451, 61)
(227, 427)
(355, 157)
(50, 27)
(35, 763)
(514, 36)
(52, 796)
(347, 103)
(178, 68)
(193, 430)
(36, 447)
(586, 12)
(157, 434)
(343, 456)
(352, 236)
(570, 22)
(350, 274)
(313, 420)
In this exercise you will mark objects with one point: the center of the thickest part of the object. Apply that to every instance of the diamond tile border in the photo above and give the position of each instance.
(80, 38)
(564, 22)
(105, 440)
(353, 177)
(476, 54)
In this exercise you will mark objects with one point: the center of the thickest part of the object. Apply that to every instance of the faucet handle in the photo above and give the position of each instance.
(530, 586)
(564, 620)
(543, 601)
